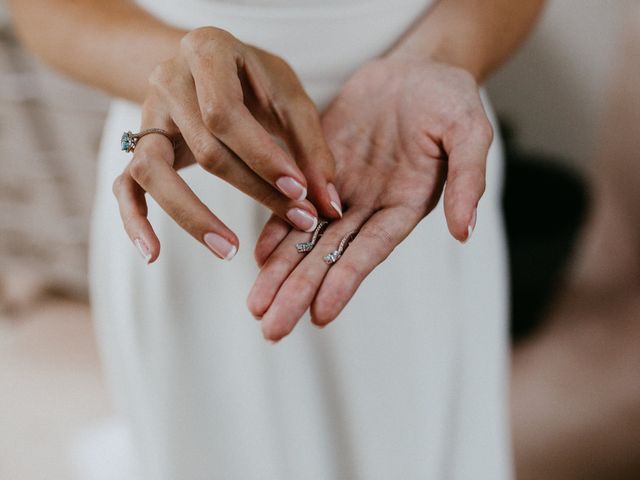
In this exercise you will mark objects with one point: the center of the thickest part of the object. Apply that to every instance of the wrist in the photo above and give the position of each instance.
(441, 51)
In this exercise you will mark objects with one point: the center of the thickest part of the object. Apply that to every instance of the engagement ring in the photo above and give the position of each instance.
(129, 140)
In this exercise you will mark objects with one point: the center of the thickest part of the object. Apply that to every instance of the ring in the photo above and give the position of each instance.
(129, 140)
(304, 247)
(333, 257)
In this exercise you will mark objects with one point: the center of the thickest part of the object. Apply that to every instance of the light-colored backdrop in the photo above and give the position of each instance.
(553, 90)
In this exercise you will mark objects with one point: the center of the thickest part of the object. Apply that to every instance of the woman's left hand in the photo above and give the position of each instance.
(398, 130)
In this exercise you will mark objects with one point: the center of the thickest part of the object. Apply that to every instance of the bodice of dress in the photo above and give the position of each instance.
(323, 40)
(291, 3)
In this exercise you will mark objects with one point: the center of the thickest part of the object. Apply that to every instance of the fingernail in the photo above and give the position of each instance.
(291, 188)
(472, 224)
(302, 220)
(143, 249)
(220, 246)
(335, 198)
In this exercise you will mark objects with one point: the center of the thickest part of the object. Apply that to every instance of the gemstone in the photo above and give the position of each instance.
(304, 247)
(126, 142)
(332, 257)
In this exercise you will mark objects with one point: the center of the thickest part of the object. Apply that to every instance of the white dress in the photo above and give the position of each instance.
(408, 383)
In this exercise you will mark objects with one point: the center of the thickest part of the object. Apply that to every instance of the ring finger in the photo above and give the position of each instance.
(296, 279)
(152, 168)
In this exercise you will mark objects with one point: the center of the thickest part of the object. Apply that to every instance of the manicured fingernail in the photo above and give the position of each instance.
(291, 188)
(302, 219)
(220, 246)
(143, 249)
(335, 198)
(472, 224)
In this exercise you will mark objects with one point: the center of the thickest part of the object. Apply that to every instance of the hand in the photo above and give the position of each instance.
(222, 100)
(398, 131)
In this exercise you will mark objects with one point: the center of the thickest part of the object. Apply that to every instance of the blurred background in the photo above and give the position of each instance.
(552, 99)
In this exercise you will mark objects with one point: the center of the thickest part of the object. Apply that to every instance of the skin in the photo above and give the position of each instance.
(220, 100)
(223, 100)
(427, 131)
(439, 135)
(575, 385)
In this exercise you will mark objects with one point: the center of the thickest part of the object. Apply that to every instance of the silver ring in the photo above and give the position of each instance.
(333, 257)
(129, 140)
(304, 247)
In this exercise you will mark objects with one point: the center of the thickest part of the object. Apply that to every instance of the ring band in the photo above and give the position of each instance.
(304, 247)
(129, 140)
(333, 257)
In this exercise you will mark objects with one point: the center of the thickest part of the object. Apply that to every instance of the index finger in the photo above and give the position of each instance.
(224, 113)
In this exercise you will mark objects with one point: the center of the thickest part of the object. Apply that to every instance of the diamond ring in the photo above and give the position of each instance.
(304, 247)
(333, 257)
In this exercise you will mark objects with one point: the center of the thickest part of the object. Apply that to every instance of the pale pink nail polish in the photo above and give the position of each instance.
(291, 188)
(335, 198)
(472, 224)
(302, 219)
(143, 249)
(220, 246)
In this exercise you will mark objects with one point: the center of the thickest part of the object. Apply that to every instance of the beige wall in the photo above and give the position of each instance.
(554, 88)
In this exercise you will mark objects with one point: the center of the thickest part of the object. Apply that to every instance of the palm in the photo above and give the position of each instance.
(397, 131)
(387, 152)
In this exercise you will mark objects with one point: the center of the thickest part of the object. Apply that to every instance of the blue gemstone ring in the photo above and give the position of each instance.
(129, 140)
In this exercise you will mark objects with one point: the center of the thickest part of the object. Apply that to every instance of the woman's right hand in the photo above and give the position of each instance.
(222, 100)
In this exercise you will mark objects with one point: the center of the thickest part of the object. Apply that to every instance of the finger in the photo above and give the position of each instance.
(467, 149)
(216, 158)
(306, 140)
(151, 167)
(280, 263)
(274, 231)
(220, 98)
(300, 285)
(373, 244)
(133, 212)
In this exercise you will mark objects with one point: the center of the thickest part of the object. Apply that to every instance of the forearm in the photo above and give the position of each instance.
(477, 35)
(111, 45)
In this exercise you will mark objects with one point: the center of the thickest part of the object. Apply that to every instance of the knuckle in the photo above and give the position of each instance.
(215, 116)
(485, 130)
(117, 186)
(305, 286)
(141, 168)
(381, 239)
(160, 76)
(200, 39)
(208, 155)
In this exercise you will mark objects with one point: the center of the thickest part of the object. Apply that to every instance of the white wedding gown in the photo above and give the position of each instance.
(408, 383)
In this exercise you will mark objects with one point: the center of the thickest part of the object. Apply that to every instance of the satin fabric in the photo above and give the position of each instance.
(408, 383)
